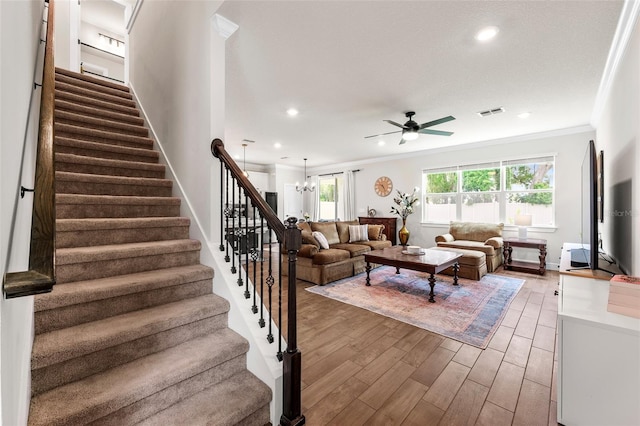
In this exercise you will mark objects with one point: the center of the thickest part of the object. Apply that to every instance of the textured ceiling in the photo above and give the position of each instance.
(347, 66)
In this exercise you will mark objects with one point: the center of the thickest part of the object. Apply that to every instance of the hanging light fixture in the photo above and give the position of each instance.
(305, 186)
(244, 160)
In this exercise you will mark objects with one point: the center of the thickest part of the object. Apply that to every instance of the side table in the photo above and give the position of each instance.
(517, 265)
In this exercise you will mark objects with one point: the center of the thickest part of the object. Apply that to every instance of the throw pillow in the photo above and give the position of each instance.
(308, 238)
(322, 240)
(358, 233)
(375, 232)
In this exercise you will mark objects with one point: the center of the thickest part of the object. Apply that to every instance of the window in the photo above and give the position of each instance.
(331, 197)
(529, 189)
(491, 192)
(480, 192)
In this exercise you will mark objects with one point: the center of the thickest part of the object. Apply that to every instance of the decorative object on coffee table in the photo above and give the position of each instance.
(405, 203)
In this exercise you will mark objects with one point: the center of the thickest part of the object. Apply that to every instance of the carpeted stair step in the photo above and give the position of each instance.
(101, 136)
(86, 263)
(96, 232)
(85, 301)
(79, 206)
(104, 166)
(81, 99)
(78, 78)
(102, 150)
(90, 92)
(81, 183)
(89, 122)
(66, 355)
(62, 105)
(131, 392)
(94, 86)
(231, 402)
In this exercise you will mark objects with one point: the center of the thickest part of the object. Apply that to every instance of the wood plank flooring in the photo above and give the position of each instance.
(361, 368)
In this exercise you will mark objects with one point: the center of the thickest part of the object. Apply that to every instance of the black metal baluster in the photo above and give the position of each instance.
(270, 282)
(234, 234)
(240, 235)
(249, 245)
(254, 257)
(261, 320)
(226, 214)
(221, 206)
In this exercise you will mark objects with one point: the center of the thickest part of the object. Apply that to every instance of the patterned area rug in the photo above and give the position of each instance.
(469, 313)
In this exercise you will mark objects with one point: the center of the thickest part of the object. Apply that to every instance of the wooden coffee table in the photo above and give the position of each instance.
(432, 262)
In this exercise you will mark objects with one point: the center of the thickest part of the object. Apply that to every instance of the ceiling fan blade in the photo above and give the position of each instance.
(436, 122)
(402, 126)
(435, 132)
(381, 134)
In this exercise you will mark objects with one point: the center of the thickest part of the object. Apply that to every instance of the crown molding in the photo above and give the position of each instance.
(626, 25)
(224, 27)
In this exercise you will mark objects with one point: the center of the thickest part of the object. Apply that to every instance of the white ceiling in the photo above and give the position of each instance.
(349, 65)
(107, 14)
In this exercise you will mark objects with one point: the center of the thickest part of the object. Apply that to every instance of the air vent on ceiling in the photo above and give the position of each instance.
(492, 111)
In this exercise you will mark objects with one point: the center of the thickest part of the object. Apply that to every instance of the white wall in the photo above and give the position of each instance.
(115, 67)
(406, 173)
(67, 19)
(171, 73)
(618, 136)
(20, 25)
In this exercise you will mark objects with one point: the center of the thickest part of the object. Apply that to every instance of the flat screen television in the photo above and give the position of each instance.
(587, 256)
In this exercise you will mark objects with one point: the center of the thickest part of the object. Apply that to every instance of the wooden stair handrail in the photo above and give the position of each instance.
(218, 151)
(40, 277)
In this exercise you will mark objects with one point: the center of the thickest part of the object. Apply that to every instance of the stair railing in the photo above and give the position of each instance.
(241, 237)
(40, 277)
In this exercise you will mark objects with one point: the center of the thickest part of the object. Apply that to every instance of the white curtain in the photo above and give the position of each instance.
(349, 196)
(314, 208)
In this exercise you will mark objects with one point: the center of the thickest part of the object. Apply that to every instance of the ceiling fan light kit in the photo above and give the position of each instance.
(411, 130)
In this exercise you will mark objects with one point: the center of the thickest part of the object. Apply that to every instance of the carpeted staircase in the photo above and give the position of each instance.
(131, 332)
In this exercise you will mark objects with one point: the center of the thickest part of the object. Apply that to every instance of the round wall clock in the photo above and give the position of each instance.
(383, 186)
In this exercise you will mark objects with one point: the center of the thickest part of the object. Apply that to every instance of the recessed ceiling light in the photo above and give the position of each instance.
(277, 145)
(292, 112)
(380, 143)
(524, 115)
(237, 156)
(487, 33)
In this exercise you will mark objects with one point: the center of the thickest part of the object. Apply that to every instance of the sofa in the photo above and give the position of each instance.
(484, 237)
(340, 256)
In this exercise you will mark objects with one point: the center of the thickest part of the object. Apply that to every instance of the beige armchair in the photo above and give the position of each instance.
(484, 237)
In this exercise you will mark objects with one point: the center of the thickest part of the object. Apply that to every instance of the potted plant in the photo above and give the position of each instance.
(405, 204)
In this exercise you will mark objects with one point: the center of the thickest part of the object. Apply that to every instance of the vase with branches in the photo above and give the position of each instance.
(405, 204)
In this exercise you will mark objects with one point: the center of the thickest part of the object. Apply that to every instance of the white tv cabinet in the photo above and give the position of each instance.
(598, 376)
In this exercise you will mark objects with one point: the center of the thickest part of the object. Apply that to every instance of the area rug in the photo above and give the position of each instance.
(469, 312)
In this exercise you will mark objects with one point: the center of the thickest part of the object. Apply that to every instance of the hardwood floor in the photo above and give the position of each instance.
(363, 368)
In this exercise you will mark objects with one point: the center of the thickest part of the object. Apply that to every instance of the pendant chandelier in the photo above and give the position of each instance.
(305, 186)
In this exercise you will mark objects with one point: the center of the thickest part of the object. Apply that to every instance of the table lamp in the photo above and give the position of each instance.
(522, 222)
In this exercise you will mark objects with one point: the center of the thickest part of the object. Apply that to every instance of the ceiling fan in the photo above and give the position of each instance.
(411, 129)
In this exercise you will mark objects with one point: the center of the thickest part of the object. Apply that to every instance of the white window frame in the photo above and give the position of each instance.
(502, 194)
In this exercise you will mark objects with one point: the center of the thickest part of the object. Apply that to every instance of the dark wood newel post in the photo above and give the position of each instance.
(292, 360)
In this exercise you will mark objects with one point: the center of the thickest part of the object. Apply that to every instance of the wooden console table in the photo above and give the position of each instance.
(388, 222)
(516, 265)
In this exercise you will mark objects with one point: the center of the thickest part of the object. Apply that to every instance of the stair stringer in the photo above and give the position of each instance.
(261, 357)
